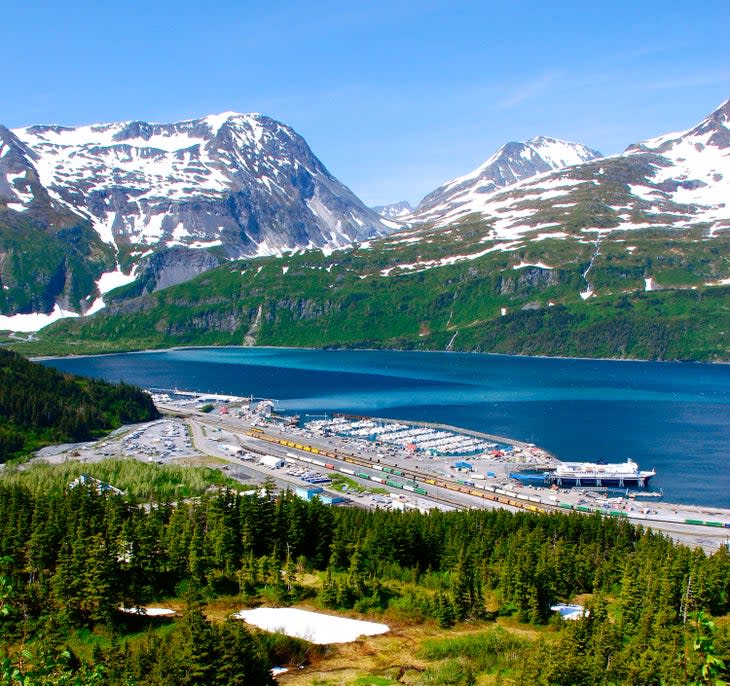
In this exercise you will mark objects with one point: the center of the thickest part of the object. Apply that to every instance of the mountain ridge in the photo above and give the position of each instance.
(605, 258)
(611, 258)
(665, 180)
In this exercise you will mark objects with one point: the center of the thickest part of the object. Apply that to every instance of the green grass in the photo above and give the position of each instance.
(484, 651)
(344, 484)
(140, 480)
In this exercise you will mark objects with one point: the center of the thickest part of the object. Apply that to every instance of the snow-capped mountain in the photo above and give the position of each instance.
(241, 181)
(677, 180)
(512, 163)
(395, 210)
(234, 184)
(690, 171)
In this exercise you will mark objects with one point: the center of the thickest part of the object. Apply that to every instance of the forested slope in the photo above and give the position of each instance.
(79, 555)
(39, 405)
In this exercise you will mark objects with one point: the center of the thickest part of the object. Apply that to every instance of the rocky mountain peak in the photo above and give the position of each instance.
(512, 163)
(717, 125)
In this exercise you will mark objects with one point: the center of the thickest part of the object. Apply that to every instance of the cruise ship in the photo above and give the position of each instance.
(590, 474)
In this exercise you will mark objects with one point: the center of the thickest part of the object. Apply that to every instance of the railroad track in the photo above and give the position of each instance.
(405, 479)
(411, 480)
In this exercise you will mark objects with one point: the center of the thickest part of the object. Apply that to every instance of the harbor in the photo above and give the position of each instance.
(376, 462)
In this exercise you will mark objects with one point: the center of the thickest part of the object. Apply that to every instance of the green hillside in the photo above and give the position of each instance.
(437, 289)
(40, 406)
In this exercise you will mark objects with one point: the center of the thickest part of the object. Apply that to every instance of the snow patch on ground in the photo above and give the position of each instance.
(552, 234)
(314, 627)
(570, 612)
(197, 245)
(148, 611)
(111, 280)
(108, 282)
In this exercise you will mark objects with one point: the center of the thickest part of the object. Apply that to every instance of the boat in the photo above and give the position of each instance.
(589, 474)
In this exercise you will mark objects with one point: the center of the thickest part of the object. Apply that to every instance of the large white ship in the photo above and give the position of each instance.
(622, 475)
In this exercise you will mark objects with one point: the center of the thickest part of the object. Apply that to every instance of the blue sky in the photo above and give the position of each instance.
(394, 97)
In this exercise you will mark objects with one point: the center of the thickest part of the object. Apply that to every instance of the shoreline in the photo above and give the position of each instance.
(41, 358)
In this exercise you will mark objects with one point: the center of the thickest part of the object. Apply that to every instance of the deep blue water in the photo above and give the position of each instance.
(671, 416)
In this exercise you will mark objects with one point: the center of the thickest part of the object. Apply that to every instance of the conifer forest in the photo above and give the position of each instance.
(72, 557)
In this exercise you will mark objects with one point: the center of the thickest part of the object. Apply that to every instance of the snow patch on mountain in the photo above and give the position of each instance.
(423, 265)
(396, 210)
(27, 323)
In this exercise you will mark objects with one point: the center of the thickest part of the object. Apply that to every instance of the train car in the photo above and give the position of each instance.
(377, 479)
(420, 491)
(346, 470)
(567, 506)
(393, 484)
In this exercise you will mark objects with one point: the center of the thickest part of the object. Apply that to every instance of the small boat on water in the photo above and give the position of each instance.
(589, 474)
